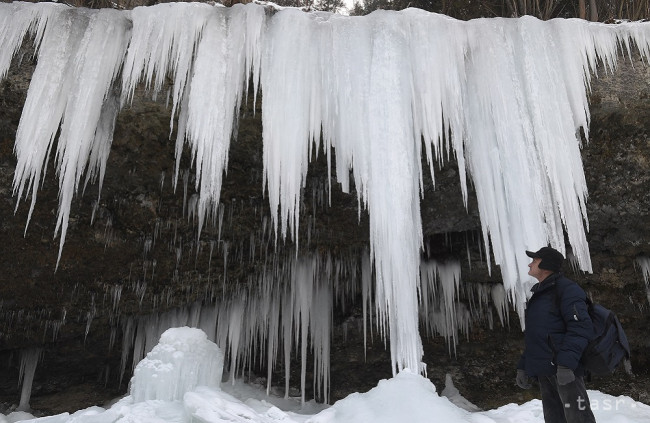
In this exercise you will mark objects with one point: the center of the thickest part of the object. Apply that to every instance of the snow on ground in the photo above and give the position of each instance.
(407, 397)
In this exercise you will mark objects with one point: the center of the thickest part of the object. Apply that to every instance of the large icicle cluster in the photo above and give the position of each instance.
(441, 310)
(283, 309)
(287, 308)
(506, 97)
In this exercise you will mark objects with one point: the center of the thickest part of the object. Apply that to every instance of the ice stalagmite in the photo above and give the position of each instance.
(29, 359)
(182, 360)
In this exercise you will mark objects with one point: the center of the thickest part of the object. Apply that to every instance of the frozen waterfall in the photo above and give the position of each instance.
(507, 98)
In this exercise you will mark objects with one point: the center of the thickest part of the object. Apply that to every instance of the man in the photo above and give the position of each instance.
(558, 329)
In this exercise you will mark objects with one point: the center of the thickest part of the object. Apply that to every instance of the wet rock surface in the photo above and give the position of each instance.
(134, 251)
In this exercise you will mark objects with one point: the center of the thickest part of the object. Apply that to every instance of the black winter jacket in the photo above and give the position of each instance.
(558, 327)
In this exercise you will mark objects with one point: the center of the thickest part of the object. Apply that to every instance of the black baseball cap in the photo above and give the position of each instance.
(551, 258)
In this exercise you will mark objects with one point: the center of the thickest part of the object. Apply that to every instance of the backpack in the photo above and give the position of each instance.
(609, 345)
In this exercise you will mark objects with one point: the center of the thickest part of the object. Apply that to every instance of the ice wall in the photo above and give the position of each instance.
(507, 98)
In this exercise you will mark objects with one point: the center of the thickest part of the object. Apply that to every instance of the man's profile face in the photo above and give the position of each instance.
(534, 270)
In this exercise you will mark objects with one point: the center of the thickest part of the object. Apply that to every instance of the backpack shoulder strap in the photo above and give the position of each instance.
(559, 292)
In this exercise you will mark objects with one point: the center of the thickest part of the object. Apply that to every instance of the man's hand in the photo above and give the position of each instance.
(523, 381)
(565, 375)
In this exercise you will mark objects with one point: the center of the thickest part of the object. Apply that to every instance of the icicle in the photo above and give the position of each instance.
(148, 243)
(116, 294)
(16, 19)
(28, 361)
(128, 332)
(291, 71)
(438, 91)
(441, 314)
(644, 264)
(449, 280)
(393, 203)
(366, 295)
(501, 304)
(235, 331)
(302, 285)
(90, 315)
(46, 100)
(469, 255)
(80, 56)
(573, 261)
(320, 334)
(428, 293)
(286, 328)
(218, 79)
(162, 180)
(463, 319)
(186, 179)
(226, 246)
(164, 41)
(103, 141)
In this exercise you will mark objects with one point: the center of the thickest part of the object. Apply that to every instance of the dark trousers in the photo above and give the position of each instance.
(565, 403)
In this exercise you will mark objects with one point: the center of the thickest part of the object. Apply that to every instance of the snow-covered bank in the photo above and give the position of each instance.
(185, 361)
(407, 397)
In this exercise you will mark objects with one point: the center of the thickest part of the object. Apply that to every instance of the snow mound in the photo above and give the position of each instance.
(407, 397)
(183, 359)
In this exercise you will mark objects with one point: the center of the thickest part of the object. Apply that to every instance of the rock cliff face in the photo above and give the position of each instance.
(135, 251)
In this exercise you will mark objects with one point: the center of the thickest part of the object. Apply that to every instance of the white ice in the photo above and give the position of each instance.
(407, 397)
(453, 394)
(644, 264)
(80, 54)
(29, 358)
(183, 359)
(507, 98)
(285, 310)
